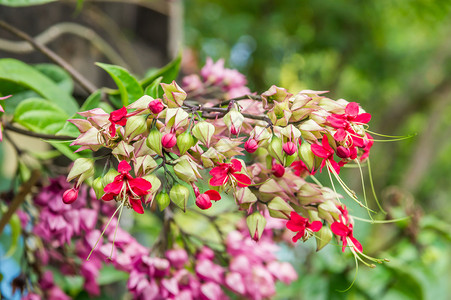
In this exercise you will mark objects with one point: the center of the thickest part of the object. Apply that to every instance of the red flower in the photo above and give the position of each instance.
(345, 232)
(222, 173)
(368, 143)
(327, 153)
(117, 117)
(203, 201)
(301, 224)
(299, 166)
(128, 187)
(351, 115)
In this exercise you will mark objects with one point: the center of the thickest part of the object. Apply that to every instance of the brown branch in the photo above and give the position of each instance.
(19, 198)
(245, 97)
(10, 127)
(84, 83)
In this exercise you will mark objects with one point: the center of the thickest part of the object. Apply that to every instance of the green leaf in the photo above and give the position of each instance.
(154, 90)
(40, 115)
(109, 274)
(17, 72)
(129, 88)
(168, 72)
(24, 2)
(16, 229)
(58, 75)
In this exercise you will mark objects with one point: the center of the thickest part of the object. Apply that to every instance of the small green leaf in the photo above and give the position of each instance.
(19, 73)
(109, 274)
(40, 115)
(24, 2)
(16, 230)
(129, 88)
(58, 75)
(168, 72)
(154, 90)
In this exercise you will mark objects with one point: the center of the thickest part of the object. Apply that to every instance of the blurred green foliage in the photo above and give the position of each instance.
(393, 57)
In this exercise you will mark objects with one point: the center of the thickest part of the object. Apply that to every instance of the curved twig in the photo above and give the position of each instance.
(8, 126)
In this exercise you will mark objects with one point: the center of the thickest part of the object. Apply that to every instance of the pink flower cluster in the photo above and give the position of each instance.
(231, 82)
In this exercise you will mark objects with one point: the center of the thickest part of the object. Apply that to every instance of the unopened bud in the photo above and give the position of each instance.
(290, 148)
(184, 142)
(168, 140)
(251, 145)
(173, 94)
(256, 224)
(203, 131)
(343, 152)
(278, 170)
(154, 141)
(82, 169)
(98, 187)
(203, 201)
(307, 156)
(179, 195)
(275, 148)
(234, 120)
(70, 196)
(156, 106)
(323, 237)
(135, 126)
(163, 200)
(279, 208)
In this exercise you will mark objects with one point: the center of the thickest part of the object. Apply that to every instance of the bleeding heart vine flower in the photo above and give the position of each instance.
(117, 117)
(299, 224)
(229, 171)
(128, 189)
(345, 232)
(326, 152)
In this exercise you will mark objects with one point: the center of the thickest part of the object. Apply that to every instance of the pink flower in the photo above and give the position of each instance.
(251, 145)
(222, 173)
(351, 115)
(345, 232)
(301, 224)
(168, 140)
(156, 106)
(327, 153)
(278, 170)
(70, 196)
(299, 167)
(117, 117)
(128, 187)
(203, 201)
(290, 148)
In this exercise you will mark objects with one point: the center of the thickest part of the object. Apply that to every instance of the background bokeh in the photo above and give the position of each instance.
(393, 57)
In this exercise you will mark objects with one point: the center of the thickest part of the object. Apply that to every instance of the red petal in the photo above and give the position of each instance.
(340, 135)
(114, 187)
(294, 226)
(242, 179)
(298, 236)
(118, 116)
(337, 121)
(326, 146)
(236, 165)
(315, 226)
(219, 180)
(214, 195)
(339, 229)
(112, 130)
(363, 118)
(335, 165)
(136, 205)
(356, 243)
(108, 196)
(219, 171)
(352, 109)
(124, 167)
(141, 184)
(319, 151)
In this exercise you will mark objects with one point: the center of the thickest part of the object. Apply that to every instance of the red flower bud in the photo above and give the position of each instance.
(251, 145)
(156, 106)
(169, 140)
(234, 130)
(343, 152)
(70, 196)
(290, 148)
(278, 170)
(203, 201)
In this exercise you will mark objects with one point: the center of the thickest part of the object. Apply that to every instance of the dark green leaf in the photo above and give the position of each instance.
(58, 75)
(24, 2)
(168, 72)
(40, 115)
(129, 88)
(17, 72)
(154, 90)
